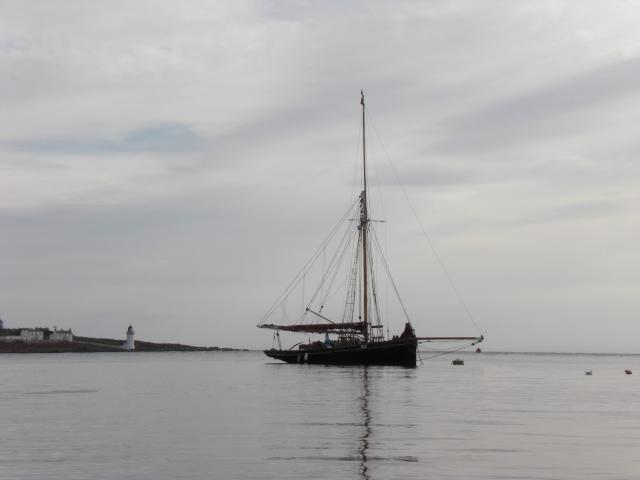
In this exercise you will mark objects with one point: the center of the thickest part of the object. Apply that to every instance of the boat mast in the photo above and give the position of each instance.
(364, 221)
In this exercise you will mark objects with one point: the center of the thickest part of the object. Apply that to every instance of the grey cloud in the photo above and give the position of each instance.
(183, 259)
(545, 112)
(243, 119)
(428, 176)
(167, 138)
(564, 213)
(569, 211)
(586, 210)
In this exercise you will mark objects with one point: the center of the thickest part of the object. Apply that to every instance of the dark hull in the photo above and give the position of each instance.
(400, 351)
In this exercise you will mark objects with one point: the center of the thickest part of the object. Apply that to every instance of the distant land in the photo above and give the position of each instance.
(90, 344)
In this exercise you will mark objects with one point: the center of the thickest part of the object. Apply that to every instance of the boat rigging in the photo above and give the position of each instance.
(359, 337)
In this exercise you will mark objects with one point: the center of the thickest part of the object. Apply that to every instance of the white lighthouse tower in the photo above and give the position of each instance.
(129, 345)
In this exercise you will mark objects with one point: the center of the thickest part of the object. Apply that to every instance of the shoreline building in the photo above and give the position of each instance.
(27, 335)
(61, 335)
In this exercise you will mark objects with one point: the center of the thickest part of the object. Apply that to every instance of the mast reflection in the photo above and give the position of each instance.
(366, 428)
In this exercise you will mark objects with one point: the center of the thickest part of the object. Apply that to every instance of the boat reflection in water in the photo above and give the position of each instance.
(366, 427)
(380, 430)
(352, 434)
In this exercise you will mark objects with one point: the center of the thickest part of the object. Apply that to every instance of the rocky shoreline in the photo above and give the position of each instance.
(89, 344)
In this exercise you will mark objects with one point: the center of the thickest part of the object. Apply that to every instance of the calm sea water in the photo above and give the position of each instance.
(234, 415)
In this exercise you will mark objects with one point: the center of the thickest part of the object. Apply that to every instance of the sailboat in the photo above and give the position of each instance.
(358, 336)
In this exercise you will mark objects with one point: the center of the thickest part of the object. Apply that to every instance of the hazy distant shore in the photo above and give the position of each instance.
(89, 344)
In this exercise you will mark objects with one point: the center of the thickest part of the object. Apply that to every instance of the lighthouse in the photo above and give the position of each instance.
(129, 345)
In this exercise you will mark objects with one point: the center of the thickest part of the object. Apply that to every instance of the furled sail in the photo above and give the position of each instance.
(356, 327)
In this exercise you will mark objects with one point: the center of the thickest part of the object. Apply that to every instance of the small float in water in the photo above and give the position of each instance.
(457, 361)
(628, 372)
(589, 372)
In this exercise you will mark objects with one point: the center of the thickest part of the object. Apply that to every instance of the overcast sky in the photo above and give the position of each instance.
(173, 164)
